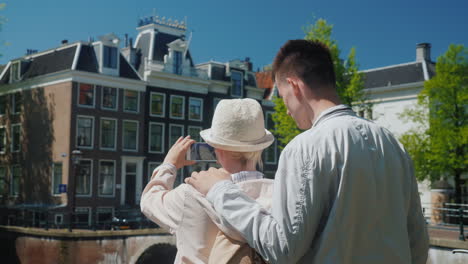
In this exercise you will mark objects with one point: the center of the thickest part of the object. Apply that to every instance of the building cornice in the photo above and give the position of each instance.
(394, 88)
(176, 82)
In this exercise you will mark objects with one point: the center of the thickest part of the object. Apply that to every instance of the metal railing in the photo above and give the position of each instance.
(451, 216)
(119, 219)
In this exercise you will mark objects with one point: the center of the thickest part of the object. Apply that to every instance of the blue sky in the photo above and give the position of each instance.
(383, 32)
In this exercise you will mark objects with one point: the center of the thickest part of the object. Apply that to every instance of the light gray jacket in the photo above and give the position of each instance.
(344, 192)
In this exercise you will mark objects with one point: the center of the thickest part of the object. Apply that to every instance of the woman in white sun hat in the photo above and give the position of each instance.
(239, 136)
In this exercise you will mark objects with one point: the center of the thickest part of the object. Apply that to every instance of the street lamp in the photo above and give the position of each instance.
(75, 158)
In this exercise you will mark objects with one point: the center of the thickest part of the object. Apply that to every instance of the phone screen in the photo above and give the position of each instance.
(201, 151)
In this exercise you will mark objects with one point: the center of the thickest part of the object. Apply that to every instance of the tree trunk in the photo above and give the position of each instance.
(457, 187)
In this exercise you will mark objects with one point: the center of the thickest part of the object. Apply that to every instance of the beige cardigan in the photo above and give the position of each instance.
(186, 213)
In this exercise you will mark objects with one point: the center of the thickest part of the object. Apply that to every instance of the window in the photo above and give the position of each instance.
(83, 180)
(2, 140)
(157, 106)
(16, 103)
(195, 109)
(156, 140)
(130, 135)
(16, 137)
(86, 95)
(216, 102)
(82, 216)
(194, 132)
(15, 74)
(109, 98)
(3, 105)
(236, 84)
(3, 175)
(270, 152)
(106, 178)
(108, 133)
(104, 215)
(177, 62)
(15, 180)
(177, 107)
(56, 177)
(59, 219)
(175, 131)
(85, 132)
(110, 57)
(151, 167)
(131, 101)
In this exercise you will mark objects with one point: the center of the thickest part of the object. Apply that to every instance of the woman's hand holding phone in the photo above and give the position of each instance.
(176, 155)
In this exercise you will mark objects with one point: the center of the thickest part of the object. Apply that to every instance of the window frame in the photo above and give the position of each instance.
(241, 84)
(81, 208)
(53, 178)
(90, 180)
(196, 127)
(170, 143)
(114, 180)
(137, 135)
(150, 172)
(201, 108)
(12, 180)
(163, 104)
(116, 99)
(162, 137)
(13, 137)
(18, 75)
(101, 208)
(14, 103)
(106, 61)
(125, 100)
(94, 96)
(183, 107)
(101, 134)
(92, 132)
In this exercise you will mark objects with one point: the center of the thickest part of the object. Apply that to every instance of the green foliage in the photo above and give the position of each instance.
(349, 82)
(439, 144)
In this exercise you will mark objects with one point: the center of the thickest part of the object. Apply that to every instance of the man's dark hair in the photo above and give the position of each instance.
(308, 60)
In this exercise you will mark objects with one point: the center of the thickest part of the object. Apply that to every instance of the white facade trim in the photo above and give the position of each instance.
(5, 70)
(77, 55)
(391, 66)
(424, 67)
(176, 82)
(138, 180)
(394, 88)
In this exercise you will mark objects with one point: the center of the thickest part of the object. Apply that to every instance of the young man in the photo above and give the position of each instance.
(345, 190)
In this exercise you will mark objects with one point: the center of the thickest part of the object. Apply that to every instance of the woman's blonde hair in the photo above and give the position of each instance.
(245, 157)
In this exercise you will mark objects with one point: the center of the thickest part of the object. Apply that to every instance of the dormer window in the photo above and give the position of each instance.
(177, 62)
(236, 84)
(110, 57)
(15, 72)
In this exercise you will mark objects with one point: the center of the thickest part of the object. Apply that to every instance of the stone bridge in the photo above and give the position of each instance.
(34, 245)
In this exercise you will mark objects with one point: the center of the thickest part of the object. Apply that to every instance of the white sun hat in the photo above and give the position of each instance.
(238, 125)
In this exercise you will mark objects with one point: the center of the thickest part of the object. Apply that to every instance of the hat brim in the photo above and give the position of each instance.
(238, 146)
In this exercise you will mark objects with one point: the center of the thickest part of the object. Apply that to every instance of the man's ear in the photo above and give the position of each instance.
(295, 85)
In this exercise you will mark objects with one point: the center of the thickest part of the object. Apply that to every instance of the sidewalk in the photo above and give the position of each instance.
(447, 236)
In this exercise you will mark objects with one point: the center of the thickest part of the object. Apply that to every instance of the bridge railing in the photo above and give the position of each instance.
(119, 219)
(451, 216)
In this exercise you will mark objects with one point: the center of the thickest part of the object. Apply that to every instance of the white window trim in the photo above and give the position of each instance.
(138, 102)
(137, 134)
(242, 85)
(94, 97)
(115, 133)
(104, 207)
(55, 219)
(116, 99)
(4, 139)
(92, 132)
(90, 181)
(164, 104)
(19, 72)
(201, 109)
(13, 104)
(183, 107)
(150, 173)
(198, 127)
(99, 179)
(162, 136)
(89, 213)
(12, 137)
(53, 178)
(12, 181)
(170, 130)
(116, 60)
(275, 147)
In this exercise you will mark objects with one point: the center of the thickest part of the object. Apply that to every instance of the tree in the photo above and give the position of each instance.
(439, 143)
(349, 82)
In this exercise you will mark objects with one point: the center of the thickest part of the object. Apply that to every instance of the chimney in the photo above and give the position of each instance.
(423, 52)
(248, 64)
(65, 41)
(126, 40)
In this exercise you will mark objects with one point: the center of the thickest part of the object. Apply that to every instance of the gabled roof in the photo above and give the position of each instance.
(398, 74)
(62, 59)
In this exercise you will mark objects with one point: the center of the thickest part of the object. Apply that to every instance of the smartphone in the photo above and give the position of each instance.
(201, 151)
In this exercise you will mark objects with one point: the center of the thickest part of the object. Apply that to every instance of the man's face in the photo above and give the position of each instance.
(296, 105)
